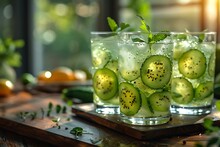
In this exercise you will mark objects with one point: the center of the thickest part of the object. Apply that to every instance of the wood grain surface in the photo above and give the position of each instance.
(17, 132)
(178, 125)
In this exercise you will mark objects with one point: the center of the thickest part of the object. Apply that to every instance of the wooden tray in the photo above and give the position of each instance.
(177, 126)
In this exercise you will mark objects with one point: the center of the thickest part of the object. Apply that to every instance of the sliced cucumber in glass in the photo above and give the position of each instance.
(145, 109)
(182, 91)
(130, 99)
(156, 71)
(105, 83)
(160, 101)
(129, 66)
(192, 64)
(100, 57)
(204, 90)
(112, 65)
(211, 67)
(144, 88)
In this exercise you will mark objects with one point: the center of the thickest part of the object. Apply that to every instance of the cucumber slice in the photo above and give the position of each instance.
(182, 90)
(144, 88)
(192, 64)
(211, 67)
(128, 65)
(130, 99)
(145, 109)
(100, 57)
(177, 53)
(160, 101)
(105, 83)
(204, 90)
(156, 71)
(112, 65)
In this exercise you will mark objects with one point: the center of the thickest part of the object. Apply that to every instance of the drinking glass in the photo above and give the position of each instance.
(145, 68)
(104, 51)
(193, 72)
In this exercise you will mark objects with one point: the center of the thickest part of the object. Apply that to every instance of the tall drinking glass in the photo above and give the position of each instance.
(145, 68)
(104, 50)
(193, 73)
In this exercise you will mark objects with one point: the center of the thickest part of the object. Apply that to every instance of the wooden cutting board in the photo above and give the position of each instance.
(178, 125)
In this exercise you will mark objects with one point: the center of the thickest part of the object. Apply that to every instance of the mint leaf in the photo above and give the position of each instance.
(159, 37)
(50, 106)
(137, 40)
(181, 36)
(112, 24)
(201, 38)
(58, 109)
(144, 27)
(64, 109)
(123, 26)
(77, 131)
(115, 27)
(42, 112)
(33, 115)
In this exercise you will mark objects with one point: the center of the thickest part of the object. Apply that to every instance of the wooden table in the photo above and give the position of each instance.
(43, 131)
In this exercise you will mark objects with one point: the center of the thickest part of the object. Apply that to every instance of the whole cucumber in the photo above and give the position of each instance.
(83, 93)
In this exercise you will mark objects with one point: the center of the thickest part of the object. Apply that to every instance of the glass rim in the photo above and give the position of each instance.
(134, 32)
(194, 33)
(102, 32)
(146, 33)
(164, 32)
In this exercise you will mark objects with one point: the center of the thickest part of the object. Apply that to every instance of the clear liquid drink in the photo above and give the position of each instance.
(104, 51)
(193, 73)
(145, 69)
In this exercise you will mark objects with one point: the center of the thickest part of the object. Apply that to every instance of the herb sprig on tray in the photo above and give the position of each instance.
(33, 115)
(78, 131)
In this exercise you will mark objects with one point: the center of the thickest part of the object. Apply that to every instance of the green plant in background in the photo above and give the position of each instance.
(9, 58)
(131, 8)
(212, 130)
(8, 52)
(63, 31)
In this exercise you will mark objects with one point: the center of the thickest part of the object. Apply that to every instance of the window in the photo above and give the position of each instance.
(57, 32)
(62, 33)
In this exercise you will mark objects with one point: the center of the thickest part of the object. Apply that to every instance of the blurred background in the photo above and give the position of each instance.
(57, 32)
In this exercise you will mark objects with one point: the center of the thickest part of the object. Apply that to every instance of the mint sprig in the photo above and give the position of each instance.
(115, 27)
(152, 38)
(78, 131)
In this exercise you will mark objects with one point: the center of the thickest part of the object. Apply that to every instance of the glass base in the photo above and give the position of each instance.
(107, 109)
(145, 120)
(191, 110)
